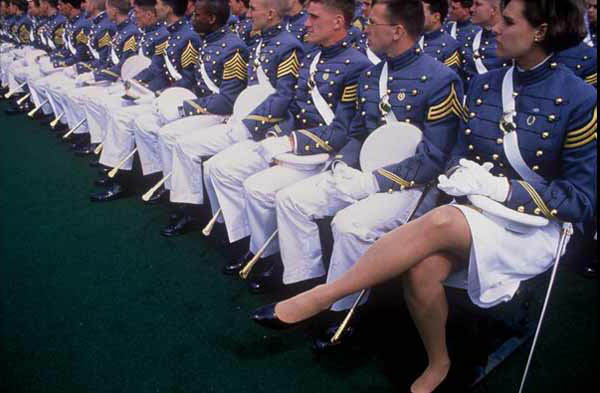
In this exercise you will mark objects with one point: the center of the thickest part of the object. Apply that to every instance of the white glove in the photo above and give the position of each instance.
(354, 184)
(274, 146)
(474, 179)
(239, 132)
(71, 72)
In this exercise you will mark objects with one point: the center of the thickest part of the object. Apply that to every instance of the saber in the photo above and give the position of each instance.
(54, 122)
(567, 232)
(23, 99)
(211, 224)
(245, 272)
(68, 134)
(151, 192)
(98, 149)
(15, 91)
(37, 108)
(114, 171)
(338, 333)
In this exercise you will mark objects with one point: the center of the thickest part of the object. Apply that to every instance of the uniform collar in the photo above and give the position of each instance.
(537, 73)
(297, 17)
(154, 27)
(98, 18)
(215, 35)
(334, 50)
(176, 26)
(463, 24)
(408, 57)
(78, 18)
(434, 35)
(123, 24)
(272, 31)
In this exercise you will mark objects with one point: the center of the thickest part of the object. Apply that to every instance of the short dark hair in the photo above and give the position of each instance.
(21, 4)
(53, 3)
(179, 6)
(565, 20)
(438, 7)
(145, 3)
(219, 8)
(75, 3)
(464, 3)
(408, 13)
(347, 7)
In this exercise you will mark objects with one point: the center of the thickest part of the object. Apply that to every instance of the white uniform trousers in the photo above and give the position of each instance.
(38, 89)
(59, 85)
(13, 69)
(226, 176)
(200, 140)
(146, 130)
(120, 132)
(88, 102)
(356, 226)
(38, 95)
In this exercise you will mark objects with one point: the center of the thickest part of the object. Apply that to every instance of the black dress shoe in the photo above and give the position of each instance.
(234, 267)
(95, 163)
(266, 317)
(159, 196)
(84, 150)
(104, 181)
(103, 171)
(323, 342)
(112, 194)
(13, 110)
(270, 279)
(175, 216)
(184, 225)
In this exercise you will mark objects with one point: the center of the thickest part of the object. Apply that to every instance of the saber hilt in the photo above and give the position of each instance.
(116, 169)
(68, 134)
(146, 197)
(211, 224)
(245, 272)
(54, 122)
(37, 108)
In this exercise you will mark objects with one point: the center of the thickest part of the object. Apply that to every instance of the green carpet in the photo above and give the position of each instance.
(93, 299)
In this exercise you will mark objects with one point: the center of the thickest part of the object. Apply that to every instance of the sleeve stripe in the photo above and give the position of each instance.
(537, 199)
(350, 93)
(264, 119)
(393, 177)
(291, 66)
(320, 142)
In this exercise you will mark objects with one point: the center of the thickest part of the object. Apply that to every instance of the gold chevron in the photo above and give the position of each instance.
(451, 105)
(537, 199)
(24, 34)
(105, 40)
(358, 24)
(592, 79)
(350, 93)
(315, 138)
(189, 56)
(395, 178)
(592, 124)
(82, 38)
(289, 67)
(130, 45)
(236, 68)
(58, 36)
(161, 49)
(453, 60)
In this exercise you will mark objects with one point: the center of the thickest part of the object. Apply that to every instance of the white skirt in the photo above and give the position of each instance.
(501, 258)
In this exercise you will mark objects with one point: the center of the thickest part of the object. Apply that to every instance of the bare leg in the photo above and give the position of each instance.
(443, 230)
(426, 301)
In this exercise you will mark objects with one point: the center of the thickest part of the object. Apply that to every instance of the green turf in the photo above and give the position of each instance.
(93, 299)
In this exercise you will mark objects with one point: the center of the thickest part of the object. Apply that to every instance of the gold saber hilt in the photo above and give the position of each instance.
(23, 99)
(54, 122)
(37, 108)
(151, 192)
(211, 224)
(68, 134)
(116, 169)
(15, 91)
(98, 149)
(338, 333)
(245, 272)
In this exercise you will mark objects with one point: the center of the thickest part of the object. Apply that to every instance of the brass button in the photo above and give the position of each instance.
(545, 135)
(496, 157)
(468, 131)
(559, 101)
(539, 153)
(499, 141)
(554, 213)
(521, 209)
(537, 211)
(536, 168)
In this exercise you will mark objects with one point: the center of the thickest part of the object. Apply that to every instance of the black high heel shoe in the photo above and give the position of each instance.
(266, 317)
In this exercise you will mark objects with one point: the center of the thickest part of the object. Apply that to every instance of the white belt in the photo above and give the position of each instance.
(211, 85)
(481, 68)
(322, 106)
(384, 104)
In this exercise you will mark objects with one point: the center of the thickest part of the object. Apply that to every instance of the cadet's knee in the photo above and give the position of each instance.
(346, 224)
(442, 219)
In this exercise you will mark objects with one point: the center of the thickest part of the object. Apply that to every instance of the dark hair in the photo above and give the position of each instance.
(36, 2)
(178, 6)
(75, 3)
(219, 8)
(123, 6)
(438, 7)
(347, 7)
(408, 13)
(145, 3)
(565, 20)
(21, 4)
(464, 3)
(53, 3)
